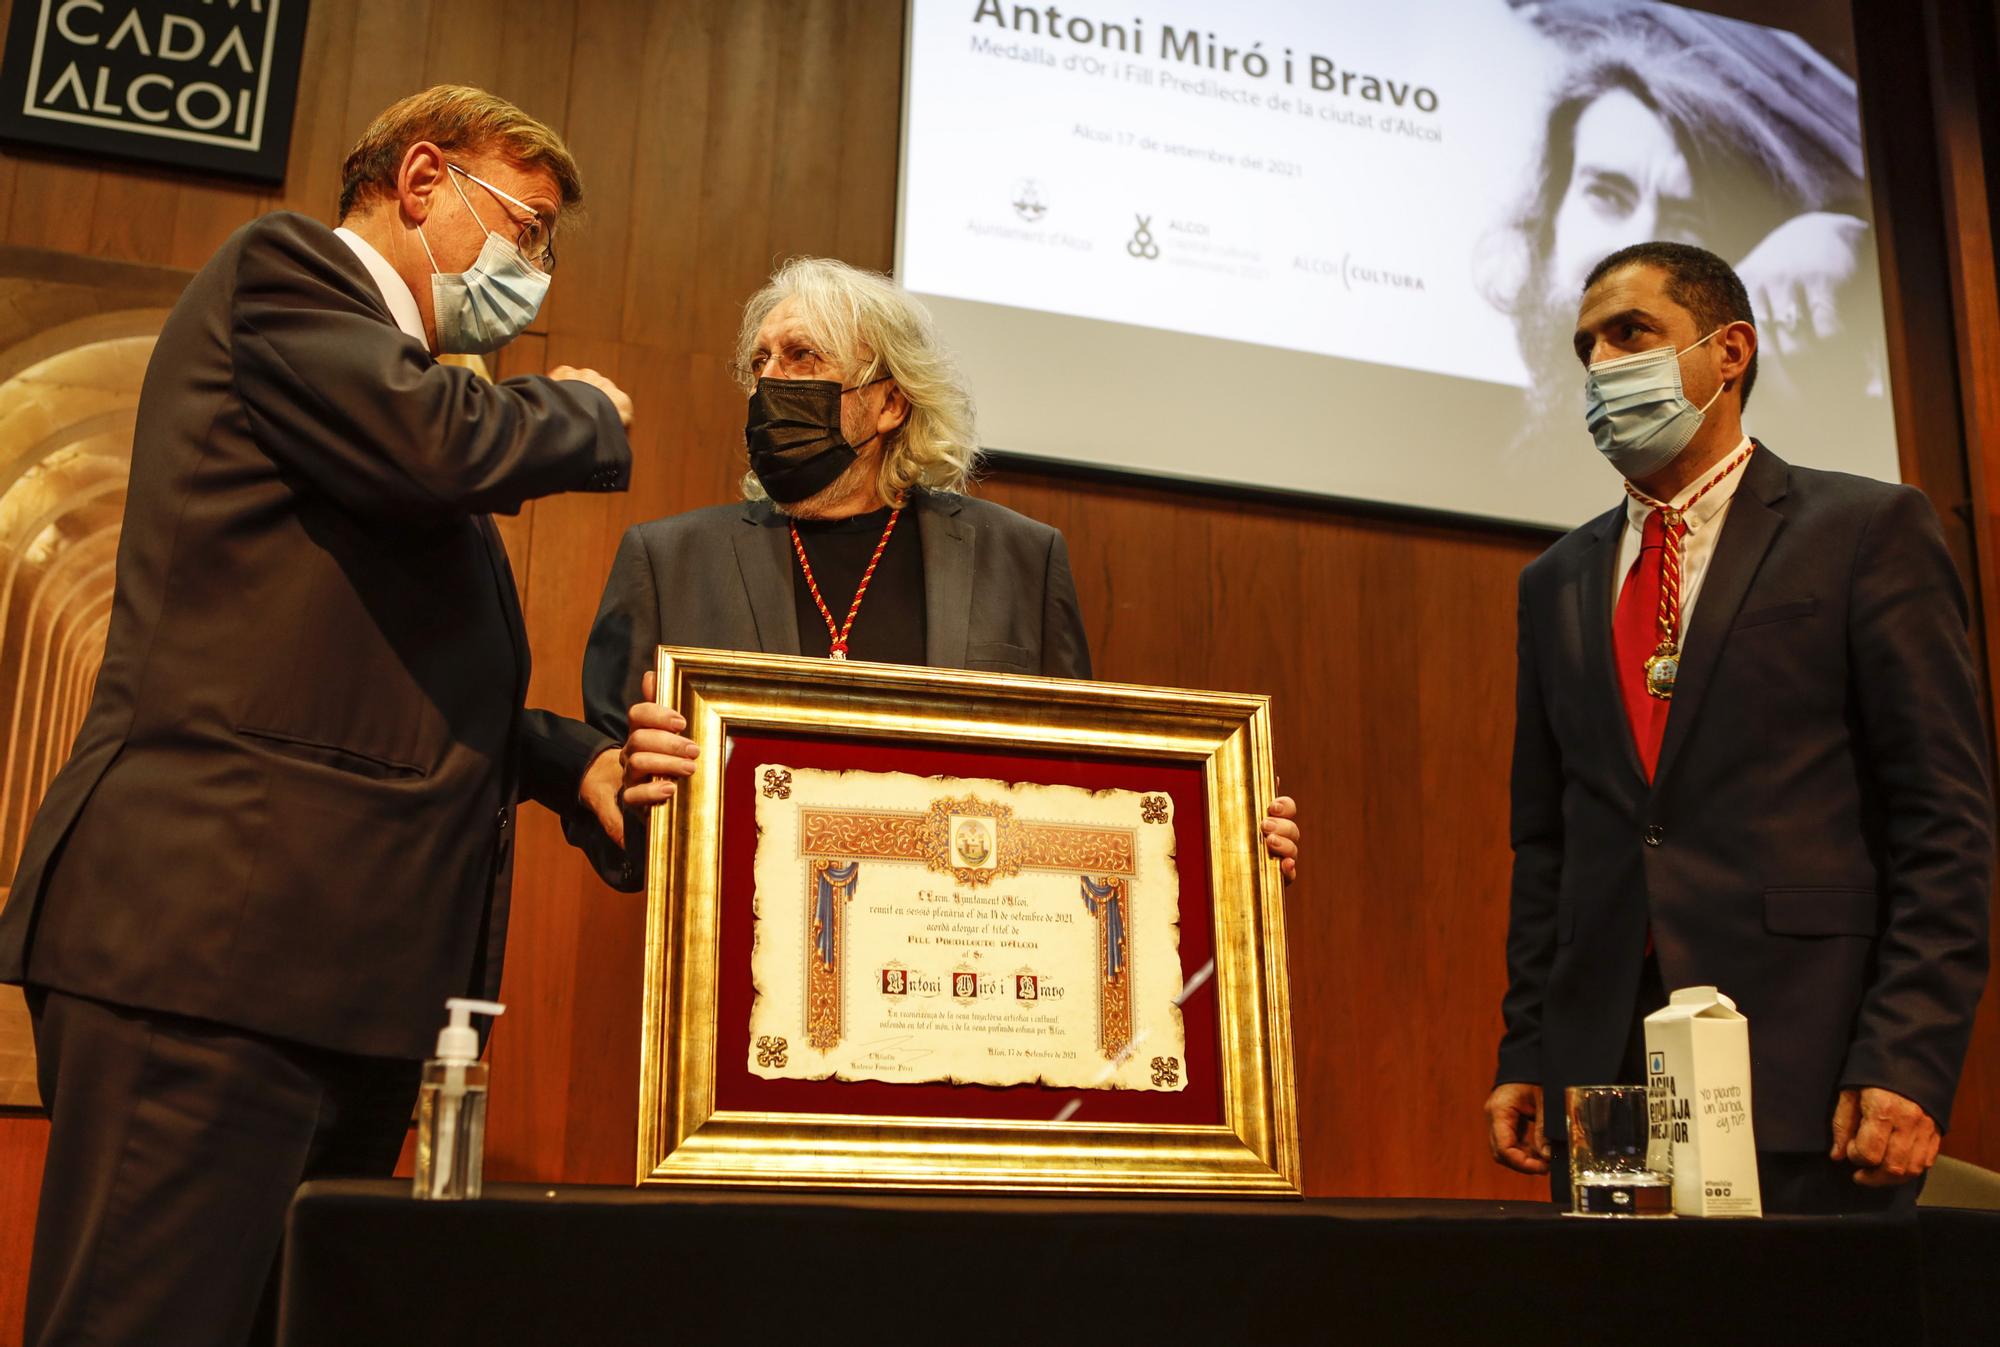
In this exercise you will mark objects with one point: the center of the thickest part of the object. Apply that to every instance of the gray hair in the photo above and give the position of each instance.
(872, 327)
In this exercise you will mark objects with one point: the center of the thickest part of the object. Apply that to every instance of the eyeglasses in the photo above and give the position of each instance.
(796, 361)
(534, 239)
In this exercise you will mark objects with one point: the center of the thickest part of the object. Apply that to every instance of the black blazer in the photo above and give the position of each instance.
(289, 807)
(997, 596)
(1818, 839)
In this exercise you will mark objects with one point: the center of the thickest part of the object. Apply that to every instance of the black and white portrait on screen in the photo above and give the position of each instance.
(1669, 123)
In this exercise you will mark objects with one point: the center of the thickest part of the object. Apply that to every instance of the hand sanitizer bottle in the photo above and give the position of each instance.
(451, 1108)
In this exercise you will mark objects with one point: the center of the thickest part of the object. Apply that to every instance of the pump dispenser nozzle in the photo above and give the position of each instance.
(458, 1041)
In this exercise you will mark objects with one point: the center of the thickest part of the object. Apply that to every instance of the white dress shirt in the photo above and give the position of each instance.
(402, 304)
(1704, 527)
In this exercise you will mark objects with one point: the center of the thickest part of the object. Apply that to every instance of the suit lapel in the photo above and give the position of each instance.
(948, 548)
(764, 557)
(1594, 596)
(1748, 526)
(510, 599)
(345, 261)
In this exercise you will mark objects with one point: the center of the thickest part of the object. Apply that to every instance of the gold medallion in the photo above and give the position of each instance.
(1663, 666)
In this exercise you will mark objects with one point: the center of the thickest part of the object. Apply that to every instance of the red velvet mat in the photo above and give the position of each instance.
(737, 1088)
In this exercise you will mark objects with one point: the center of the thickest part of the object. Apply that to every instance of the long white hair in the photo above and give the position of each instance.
(872, 327)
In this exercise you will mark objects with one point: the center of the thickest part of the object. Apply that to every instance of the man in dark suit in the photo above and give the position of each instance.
(856, 539)
(284, 835)
(1748, 753)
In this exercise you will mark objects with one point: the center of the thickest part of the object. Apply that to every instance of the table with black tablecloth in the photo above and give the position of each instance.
(364, 1263)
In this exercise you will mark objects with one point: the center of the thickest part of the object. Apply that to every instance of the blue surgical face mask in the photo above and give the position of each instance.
(1636, 411)
(486, 307)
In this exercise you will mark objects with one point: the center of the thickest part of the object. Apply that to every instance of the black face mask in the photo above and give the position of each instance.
(797, 446)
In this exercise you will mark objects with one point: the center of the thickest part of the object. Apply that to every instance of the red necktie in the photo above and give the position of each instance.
(1635, 635)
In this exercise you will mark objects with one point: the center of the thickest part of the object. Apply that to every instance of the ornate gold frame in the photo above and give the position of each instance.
(684, 1138)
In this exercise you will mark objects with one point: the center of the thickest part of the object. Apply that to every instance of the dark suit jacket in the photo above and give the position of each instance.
(997, 596)
(289, 807)
(1817, 841)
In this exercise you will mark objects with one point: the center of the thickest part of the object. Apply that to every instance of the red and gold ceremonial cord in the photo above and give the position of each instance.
(1664, 664)
(837, 637)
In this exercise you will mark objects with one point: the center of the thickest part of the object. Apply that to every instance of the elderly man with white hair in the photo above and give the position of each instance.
(855, 540)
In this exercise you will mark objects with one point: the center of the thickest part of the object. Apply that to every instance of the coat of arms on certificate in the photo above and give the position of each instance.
(974, 931)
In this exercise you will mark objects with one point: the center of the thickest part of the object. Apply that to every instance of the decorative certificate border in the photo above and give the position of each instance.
(836, 841)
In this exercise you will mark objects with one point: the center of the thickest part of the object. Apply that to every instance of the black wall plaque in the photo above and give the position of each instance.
(201, 84)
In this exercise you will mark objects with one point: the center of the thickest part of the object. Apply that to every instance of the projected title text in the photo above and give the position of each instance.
(1190, 47)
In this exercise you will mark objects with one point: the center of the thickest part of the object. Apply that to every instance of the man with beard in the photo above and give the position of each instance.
(855, 540)
(1671, 124)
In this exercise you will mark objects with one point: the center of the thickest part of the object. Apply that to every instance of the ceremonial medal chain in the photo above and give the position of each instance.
(837, 637)
(1663, 666)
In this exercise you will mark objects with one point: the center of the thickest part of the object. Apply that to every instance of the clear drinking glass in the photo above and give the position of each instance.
(1614, 1167)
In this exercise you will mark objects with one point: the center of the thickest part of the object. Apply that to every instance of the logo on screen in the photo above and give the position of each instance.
(1141, 244)
(1029, 203)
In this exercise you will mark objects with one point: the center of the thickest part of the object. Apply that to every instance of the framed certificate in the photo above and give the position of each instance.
(925, 929)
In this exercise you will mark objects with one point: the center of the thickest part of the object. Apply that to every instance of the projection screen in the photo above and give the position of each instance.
(1334, 247)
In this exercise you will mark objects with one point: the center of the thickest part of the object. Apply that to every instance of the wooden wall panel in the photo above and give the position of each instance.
(716, 138)
(23, 1139)
(601, 130)
(666, 167)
